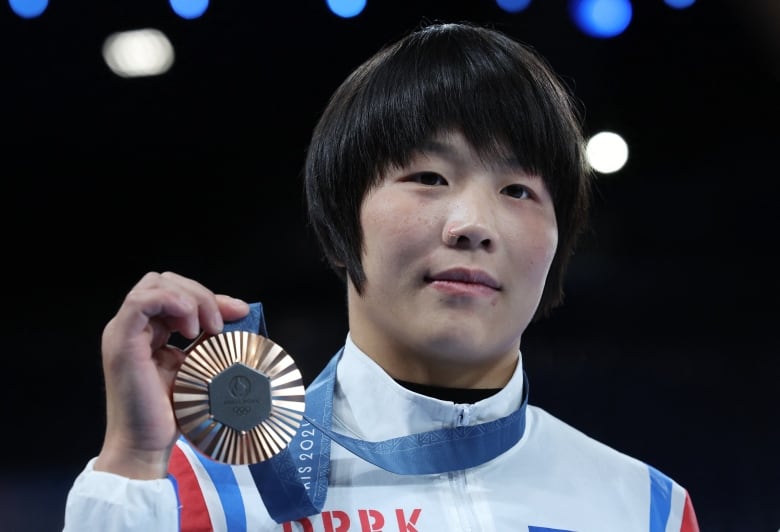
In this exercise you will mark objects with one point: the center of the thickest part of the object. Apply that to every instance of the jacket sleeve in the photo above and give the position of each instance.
(671, 509)
(112, 503)
(689, 522)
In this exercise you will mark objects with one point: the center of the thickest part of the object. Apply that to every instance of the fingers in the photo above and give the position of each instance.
(231, 308)
(174, 303)
(169, 358)
(140, 366)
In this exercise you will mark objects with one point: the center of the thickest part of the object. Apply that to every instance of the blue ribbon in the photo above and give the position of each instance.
(294, 483)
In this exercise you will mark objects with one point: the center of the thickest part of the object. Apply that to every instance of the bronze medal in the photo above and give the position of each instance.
(238, 397)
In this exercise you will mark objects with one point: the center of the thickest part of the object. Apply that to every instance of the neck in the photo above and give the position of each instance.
(445, 354)
(441, 370)
(445, 393)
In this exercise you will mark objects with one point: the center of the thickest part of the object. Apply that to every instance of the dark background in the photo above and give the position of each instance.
(667, 345)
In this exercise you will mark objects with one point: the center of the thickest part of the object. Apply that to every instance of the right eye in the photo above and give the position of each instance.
(427, 178)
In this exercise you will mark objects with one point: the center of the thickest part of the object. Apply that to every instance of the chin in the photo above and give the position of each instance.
(462, 347)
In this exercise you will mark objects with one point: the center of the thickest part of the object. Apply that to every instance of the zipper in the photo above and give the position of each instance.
(466, 509)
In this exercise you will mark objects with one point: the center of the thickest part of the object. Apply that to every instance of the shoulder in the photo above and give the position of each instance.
(589, 462)
(562, 441)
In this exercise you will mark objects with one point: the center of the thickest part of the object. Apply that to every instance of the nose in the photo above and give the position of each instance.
(470, 225)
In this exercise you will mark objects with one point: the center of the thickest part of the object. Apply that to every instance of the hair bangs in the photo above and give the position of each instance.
(487, 92)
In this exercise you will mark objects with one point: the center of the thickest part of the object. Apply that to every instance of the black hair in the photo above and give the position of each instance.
(498, 92)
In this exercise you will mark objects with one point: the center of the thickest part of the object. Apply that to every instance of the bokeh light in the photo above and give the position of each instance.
(680, 4)
(138, 53)
(606, 152)
(189, 9)
(513, 6)
(601, 18)
(346, 8)
(28, 8)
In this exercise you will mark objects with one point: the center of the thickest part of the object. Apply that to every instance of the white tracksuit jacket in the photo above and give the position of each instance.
(554, 479)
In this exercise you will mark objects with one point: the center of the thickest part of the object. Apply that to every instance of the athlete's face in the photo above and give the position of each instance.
(456, 253)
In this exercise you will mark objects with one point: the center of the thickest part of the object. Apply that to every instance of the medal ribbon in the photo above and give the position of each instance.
(294, 483)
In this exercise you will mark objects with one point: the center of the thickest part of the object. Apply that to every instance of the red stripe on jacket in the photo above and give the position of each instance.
(689, 521)
(194, 513)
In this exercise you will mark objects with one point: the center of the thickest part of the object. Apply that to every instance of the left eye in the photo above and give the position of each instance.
(515, 191)
(428, 178)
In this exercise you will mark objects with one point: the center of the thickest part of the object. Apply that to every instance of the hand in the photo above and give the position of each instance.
(140, 366)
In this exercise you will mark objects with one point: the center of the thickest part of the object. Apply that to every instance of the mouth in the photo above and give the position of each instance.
(464, 276)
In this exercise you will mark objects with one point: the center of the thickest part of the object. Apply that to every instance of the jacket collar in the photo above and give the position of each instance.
(369, 404)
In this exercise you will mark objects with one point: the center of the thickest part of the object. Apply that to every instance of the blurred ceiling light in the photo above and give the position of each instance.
(137, 53)
(601, 18)
(28, 8)
(189, 9)
(346, 8)
(606, 152)
(679, 4)
(513, 6)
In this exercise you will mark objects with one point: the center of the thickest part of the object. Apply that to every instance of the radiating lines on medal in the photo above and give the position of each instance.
(226, 444)
(217, 412)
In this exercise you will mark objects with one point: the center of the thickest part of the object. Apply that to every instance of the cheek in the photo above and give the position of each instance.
(551, 245)
(547, 240)
(393, 232)
(535, 249)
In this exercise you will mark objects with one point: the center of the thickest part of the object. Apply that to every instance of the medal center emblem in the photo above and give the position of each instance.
(240, 397)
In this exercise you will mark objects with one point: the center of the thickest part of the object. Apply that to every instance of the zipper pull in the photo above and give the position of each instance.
(464, 416)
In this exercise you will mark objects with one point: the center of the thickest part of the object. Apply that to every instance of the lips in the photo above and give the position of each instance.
(465, 275)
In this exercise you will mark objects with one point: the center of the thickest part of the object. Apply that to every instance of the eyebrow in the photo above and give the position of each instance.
(448, 151)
